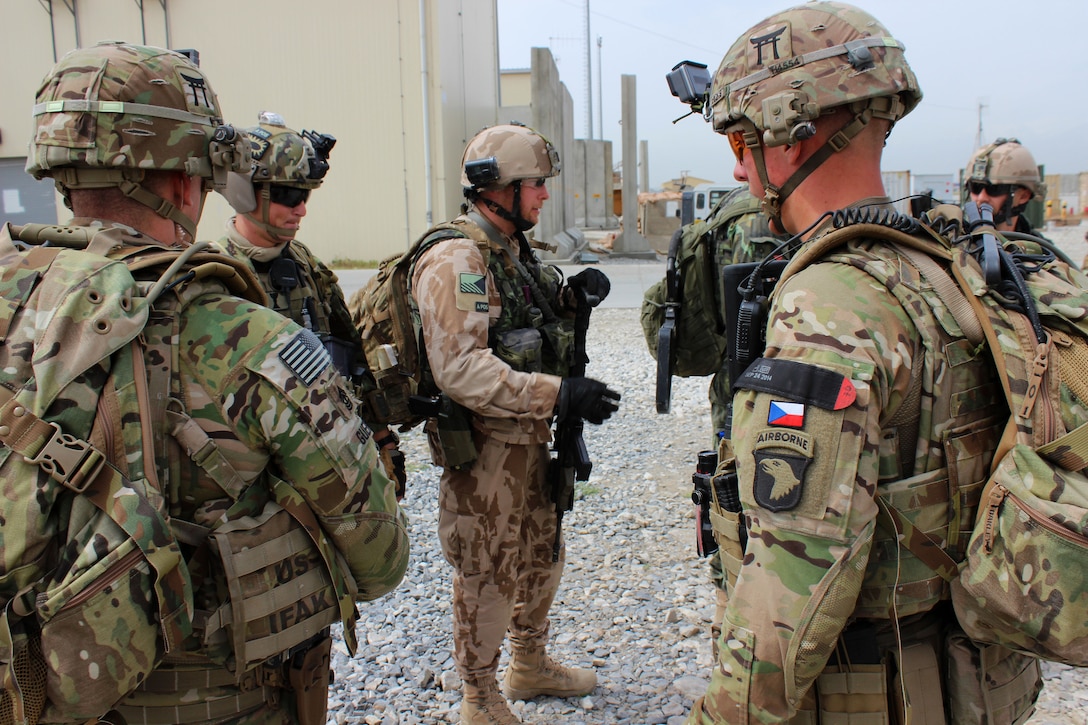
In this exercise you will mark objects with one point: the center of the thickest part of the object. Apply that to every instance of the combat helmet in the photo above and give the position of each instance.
(506, 154)
(1006, 161)
(779, 77)
(105, 115)
(283, 159)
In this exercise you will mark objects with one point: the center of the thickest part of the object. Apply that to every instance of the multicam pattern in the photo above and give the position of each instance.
(775, 47)
(77, 124)
(305, 440)
(832, 557)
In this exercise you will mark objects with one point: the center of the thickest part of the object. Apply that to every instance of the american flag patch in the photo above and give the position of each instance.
(306, 356)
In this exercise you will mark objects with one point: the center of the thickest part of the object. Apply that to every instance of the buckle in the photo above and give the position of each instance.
(71, 461)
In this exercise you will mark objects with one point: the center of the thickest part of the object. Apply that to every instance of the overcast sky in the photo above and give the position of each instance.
(1024, 61)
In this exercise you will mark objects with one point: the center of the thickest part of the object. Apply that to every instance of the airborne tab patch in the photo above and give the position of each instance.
(306, 357)
(472, 292)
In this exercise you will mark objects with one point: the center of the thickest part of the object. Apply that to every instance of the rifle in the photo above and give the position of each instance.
(571, 461)
(666, 336)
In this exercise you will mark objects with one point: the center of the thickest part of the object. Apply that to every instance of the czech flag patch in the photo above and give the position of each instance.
(786, 415)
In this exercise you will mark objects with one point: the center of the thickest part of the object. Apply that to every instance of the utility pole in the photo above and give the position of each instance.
(978, 133)
(589, 82)
(600, 93)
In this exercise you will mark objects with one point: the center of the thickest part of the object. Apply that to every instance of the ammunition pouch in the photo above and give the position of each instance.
(988, 683)
(726, 515)
(521, 349)
(450, 435)
(280, 590)
(309, 674)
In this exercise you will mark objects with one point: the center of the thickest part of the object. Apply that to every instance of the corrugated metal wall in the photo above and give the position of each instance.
(401, 109)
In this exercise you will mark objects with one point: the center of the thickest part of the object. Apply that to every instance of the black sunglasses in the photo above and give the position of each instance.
(992, 190)
(290, 196)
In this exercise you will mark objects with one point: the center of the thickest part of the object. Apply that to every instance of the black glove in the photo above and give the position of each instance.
(392, 460)
(594, 282)
(587, 399)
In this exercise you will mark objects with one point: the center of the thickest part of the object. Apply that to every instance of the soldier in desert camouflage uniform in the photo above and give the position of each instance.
(497, 328)
(271, 200)
(1005, 176)
(126, 132)
(867, 396)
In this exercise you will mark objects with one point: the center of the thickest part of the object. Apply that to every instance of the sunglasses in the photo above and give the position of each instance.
(290, 196)
(736, 142)
(539, 182)
(992, 190)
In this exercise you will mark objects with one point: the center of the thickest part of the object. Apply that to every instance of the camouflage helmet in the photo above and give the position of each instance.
(500, 155)
(1006, 161)
(784, 72)
(281, 156)
(105, 115)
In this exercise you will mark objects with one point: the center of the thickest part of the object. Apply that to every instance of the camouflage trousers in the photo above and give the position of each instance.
(497, 526)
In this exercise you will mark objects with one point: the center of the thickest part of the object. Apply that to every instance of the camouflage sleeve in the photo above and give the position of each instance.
(267, 391)
(458, 300)
(808, 478)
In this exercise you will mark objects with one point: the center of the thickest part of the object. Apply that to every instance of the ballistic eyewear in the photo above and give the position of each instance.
(290, 196)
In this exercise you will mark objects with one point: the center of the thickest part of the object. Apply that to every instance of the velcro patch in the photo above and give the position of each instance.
(781, 458)
(306, 357)
(472, 292)
(800, 382)
(786, 414)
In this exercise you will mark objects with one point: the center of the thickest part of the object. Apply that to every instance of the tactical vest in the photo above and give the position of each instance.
(529, 295)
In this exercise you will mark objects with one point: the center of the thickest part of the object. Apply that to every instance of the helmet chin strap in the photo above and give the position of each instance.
(264, 205)
(774, 196)
(520, 223)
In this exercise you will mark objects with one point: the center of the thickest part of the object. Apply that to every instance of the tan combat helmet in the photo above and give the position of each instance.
(779, 77)
(1006, 162)
(502, 155)
(107, 114)
(286, 165)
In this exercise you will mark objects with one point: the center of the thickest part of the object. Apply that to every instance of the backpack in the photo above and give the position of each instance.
(1022, 584)
(93, 587)
(384, 314)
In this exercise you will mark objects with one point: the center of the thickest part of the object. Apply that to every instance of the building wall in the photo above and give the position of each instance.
(401, 84)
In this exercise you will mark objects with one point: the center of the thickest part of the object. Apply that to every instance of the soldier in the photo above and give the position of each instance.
(257, 433)
(496, 324)
(858, 405)
(271, 202)
(746, 237)
(1005, 176)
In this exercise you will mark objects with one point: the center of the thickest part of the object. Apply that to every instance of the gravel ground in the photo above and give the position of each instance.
(635, 602)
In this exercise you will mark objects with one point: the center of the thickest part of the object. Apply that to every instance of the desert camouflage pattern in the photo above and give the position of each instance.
(772, 58)
(521, 152)
(918, 436)
(264, 391)
(120, 106)
(1006, 161)
(496, 520)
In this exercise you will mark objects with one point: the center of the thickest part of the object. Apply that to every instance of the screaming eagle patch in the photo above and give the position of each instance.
(782, 457)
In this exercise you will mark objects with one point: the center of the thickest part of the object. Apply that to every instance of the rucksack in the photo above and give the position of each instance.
(1022, 584)
(93, 587)
(384, 314)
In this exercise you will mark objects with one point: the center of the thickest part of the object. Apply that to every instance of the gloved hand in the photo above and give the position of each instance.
(595, 283)
(393, 460)
(587, 399)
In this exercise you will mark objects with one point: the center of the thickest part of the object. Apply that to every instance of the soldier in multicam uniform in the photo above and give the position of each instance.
(1005, 176)
(126, 133)
(270, 200)
(867, 396)
(497, 328)
(745, 237)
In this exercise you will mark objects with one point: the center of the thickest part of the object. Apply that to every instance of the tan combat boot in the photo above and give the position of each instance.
(483, 704)
(532, 672)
